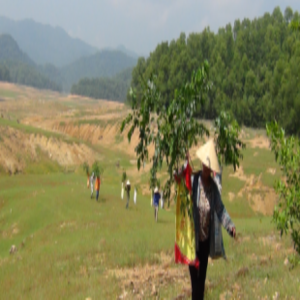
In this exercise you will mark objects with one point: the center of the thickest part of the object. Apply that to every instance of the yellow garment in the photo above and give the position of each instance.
(185, 233)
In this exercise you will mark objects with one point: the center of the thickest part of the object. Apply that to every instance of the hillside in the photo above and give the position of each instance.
(254, 68)
(44, 43)
(17, 67)
(45, 207)
(102, 64)
(10, 51)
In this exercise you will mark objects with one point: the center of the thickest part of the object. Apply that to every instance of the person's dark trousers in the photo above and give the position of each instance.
(128, 196)
(97, 195)
(198, 275)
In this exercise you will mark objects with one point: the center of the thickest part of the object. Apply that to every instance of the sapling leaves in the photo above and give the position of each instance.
(174, 129)
(287, 153)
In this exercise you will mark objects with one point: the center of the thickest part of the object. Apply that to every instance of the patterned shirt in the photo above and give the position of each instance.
(204, 211)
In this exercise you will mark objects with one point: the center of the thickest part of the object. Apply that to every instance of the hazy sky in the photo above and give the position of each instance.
(141, 24)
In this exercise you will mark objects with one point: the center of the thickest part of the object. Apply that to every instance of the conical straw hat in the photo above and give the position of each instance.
(208, 156)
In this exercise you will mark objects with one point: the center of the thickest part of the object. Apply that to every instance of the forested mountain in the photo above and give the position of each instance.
(17, 67)
(9, 50)
(102, 64)
(254, 68)
(52, 58)
(21, 69)
(114, 88)
(44, 43)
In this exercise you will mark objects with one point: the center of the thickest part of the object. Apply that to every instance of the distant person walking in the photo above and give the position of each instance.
(92, 184)
(135, 196)
(97, 187)
(88, 180)
(127, 189)
(156, 198)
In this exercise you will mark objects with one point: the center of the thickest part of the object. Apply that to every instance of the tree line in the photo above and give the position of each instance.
(25, 74)
(254, 67)
(114, 88)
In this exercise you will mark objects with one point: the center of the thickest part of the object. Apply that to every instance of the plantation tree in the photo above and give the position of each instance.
(295, 25)
(254, 65)
(97, 169)
(172, 129)
(287, 154)
(228, 144)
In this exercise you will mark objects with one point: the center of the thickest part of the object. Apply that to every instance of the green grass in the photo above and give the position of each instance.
(71, 241)
(259, 161)
(256, 161)
(43, 165)
(39, 205)
(8, 94)
(28, 129)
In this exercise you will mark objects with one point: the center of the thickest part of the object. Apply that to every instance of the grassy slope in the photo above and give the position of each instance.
(71, 241)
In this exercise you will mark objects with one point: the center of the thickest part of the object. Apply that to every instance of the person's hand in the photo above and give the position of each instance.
(233, 232)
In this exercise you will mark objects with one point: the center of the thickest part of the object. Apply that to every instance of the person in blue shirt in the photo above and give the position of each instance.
(156, 198)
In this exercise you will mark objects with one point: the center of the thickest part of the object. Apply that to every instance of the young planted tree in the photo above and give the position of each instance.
(287, 154)
(97, 169)
(172, 128)
(124, 177)
(228, 143)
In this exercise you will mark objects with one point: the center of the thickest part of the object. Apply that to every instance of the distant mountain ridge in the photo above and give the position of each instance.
(53, 59)
(103, 64)
(44, 43)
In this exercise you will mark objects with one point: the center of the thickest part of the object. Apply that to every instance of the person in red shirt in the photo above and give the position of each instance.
(97, 187)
